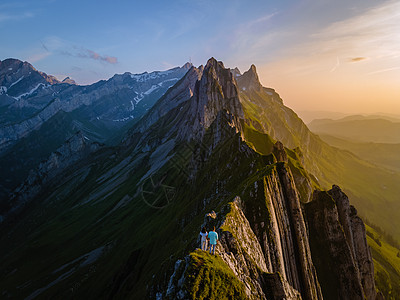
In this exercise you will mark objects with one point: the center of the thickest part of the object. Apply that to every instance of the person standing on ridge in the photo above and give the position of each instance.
(203, 242)
(213, 237)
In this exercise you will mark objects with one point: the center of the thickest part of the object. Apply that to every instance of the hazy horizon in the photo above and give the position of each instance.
(326, 56)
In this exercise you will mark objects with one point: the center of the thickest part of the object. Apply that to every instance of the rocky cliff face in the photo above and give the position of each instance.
(216, 91)
(37, 105)
(267, 238)
(275, 242)
(270, 253)
(339, 247)
(196, 101)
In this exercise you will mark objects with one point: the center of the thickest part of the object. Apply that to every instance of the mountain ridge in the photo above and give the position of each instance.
(209, 153)
(53, 113)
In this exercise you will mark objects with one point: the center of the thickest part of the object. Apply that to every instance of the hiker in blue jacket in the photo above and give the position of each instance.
(213, 238)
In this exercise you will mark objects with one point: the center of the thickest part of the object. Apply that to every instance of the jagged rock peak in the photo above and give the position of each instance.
(216, 91)
(69, 80)
(236, 72)
(213, 62)
(249, 80)
(219, 79)
(187, 66)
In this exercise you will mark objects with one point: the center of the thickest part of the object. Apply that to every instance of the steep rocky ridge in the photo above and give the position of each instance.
(196, 99)
(266, 248)
(367, 184)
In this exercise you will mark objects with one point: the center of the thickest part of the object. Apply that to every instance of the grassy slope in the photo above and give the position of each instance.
(373, 190)
(385, 155)
(210, 278)
(54, 231)
(386, 263)
(353, 172)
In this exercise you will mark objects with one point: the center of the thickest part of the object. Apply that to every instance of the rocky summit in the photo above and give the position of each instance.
(122, 221)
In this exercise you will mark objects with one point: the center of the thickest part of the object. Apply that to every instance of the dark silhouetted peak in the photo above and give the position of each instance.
(68, 80)
(249, 80)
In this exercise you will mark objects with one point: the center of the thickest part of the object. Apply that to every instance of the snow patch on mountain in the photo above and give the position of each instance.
(32, 91)
(147, 76)
(14, 83)
(158, 85)
(138, 98)
(152, 89)
(124, 119)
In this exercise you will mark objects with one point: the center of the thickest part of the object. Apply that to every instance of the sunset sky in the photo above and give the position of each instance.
(319, 55)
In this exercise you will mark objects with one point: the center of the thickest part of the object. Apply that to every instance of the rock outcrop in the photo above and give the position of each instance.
(281, 264)
(339, 247)
(68, 80)
(264, 240)
(249, 80)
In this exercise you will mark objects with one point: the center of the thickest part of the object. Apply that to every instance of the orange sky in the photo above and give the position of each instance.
(349, 66)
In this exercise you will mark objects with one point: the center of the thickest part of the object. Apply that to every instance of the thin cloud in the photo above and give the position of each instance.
(44, 46)
(383, 70)
(375, 32)
(58, 46)
(357, 59)
(15, 17)
(336, 65)
(254, 35)
(87, 53)
(37, 57)
(372, 36)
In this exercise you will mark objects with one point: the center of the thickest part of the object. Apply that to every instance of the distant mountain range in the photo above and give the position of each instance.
(119, 218)
(378, 129)
(38, 113)
(309, 115)
(374, 138)
(383, 154)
